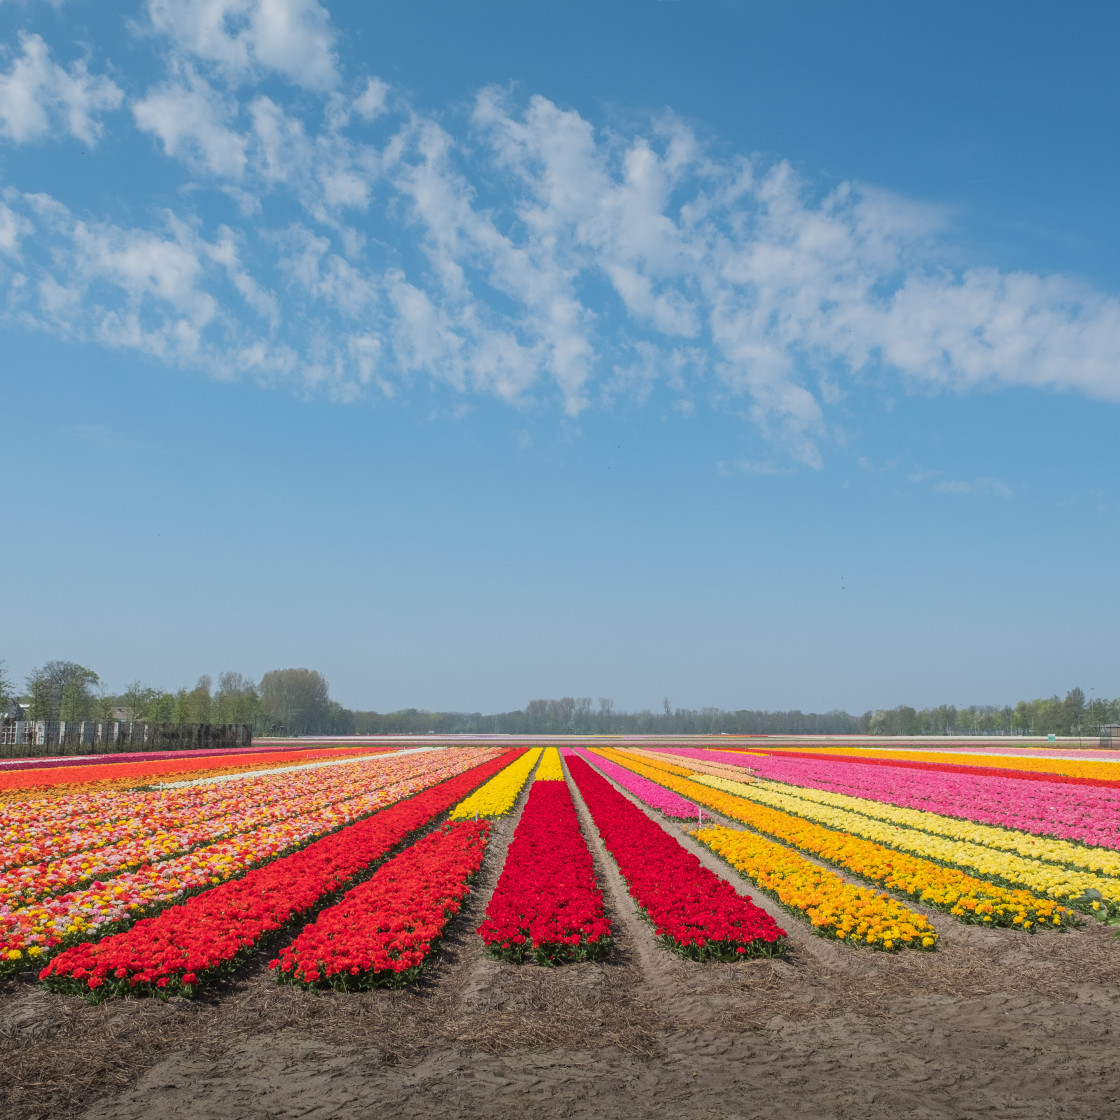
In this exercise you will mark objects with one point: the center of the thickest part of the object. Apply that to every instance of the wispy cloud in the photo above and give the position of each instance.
(38, 97)
(247, 38)
(980, 487)
(514, 250)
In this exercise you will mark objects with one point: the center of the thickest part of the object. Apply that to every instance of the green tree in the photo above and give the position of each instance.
(199, 701)
(138, 700)
(181, 712)
(5, 687)
(236, 699)
(61, 690)
(295, 701)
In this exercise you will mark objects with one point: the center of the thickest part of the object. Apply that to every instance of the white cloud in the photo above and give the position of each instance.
(191, 119)
(981, 487)
(370, 103)
(245, 38)
(13, 227)
(39, 98)
(984, 487)
(524, 254)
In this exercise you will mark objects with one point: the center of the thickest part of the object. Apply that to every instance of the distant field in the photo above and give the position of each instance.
(731, 926)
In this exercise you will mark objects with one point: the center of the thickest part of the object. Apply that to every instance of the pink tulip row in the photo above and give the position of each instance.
(1088, 814)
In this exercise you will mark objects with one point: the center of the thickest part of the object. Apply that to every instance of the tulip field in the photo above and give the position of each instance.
(344, 870)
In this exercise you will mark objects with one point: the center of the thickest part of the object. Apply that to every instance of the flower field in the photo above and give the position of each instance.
(652, 794)
(550, 768)
(547, 906)
(356, 864)
(57, 781)
(502, 908)
(1047, 879)
(39, 928)
(188, 944)
(497, 796)
(692, 910)
(833, 908)
(1059, 770)
(382, 931)
(1084, 814)
(967, 898)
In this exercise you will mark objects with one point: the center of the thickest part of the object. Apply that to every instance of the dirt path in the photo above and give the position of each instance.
(996, 1024)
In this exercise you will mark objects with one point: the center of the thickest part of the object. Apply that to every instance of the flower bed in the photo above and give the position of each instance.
(248, 806)
(382, 931)
(40, 928)
(216, 753)
(58, 781)
(833, 907)
(693, 911)
(547, 906)
(207, 936)
(965, 897)
(1049, 880)
(1064, 853)
(497, 797)
(1083, 814)
(550, 768)
(1064, 771)
(655, 796)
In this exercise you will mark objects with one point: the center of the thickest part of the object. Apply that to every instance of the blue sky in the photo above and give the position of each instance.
(755, 355)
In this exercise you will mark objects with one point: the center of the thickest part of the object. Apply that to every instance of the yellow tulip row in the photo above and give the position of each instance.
(1105, 861)
(1046, 879)
(964, 896)
(497, 796)
(550, 769)
(835, 908)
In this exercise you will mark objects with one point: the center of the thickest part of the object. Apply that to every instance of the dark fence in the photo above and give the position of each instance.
(1110, 736)
(51, 737)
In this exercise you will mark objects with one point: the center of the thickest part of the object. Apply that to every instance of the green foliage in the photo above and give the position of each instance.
(62, 690)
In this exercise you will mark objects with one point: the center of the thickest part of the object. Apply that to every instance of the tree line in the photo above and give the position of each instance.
(1073, 714)
(283, 702)
(297, 702)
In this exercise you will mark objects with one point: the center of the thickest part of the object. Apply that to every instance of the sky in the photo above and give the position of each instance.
(746, 354)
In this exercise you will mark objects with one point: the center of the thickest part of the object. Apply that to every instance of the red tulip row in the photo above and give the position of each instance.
(382, 931)
(211, 933)
(693, 911)
(547, 905)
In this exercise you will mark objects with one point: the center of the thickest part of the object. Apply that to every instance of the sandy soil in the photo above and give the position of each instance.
(994, 1024)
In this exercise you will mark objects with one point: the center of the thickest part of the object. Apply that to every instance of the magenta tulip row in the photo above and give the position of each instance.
(1087, 814)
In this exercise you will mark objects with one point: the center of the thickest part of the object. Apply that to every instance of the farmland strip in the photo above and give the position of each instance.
(197, 941)
(382, 931)
(963, 896)
(693, 911)
(833, 907)
(498, 795)
(1049, 880)
(649, 792)
(547, 906)
(1083, 815)
(40, 928)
